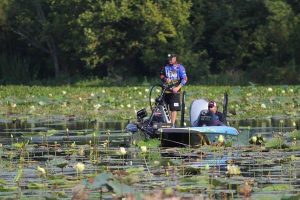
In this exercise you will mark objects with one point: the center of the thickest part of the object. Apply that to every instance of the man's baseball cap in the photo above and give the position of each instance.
(171, 55)
(212, 104)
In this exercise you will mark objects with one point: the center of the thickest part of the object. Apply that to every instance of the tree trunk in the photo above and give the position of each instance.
(53, 53)
(49, 39)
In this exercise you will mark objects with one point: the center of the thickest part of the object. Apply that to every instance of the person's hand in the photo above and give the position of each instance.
(168, 80)
(175, 89)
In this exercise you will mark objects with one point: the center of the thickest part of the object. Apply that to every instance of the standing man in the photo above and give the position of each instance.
(174, 76)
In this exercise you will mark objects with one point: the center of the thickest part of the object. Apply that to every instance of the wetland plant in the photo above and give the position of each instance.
(233, 170)
(79, 169)
(144, 152)
(122, 151)
(58, 162)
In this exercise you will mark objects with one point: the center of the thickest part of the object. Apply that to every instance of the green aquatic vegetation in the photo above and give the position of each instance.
(277, 187)
(151, 143)
(19, 145)
(294, 135)
(58, 162)
(19, 175)
(266, 196)
(119, 103)
(3, 182)
(108, 181)
(35, 185)
(197, 180)
(295, 147)
(135, 170)
(8, 188)
(257, 140)
(56, 195)
(276, 143)
(191, 171)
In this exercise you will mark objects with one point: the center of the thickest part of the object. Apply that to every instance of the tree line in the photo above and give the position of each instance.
(252, 40)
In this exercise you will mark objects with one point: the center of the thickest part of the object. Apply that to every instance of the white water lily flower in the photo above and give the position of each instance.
(147, 90)
(145, 96)
(254, 139)
(140, 93)
(13, 105)
(122, 106)
(92, 94)
(32, 107)
(64, 104)
(79, 167)
(263, 105)
(184, 123)
(50, 94)
(135, 88)
(283, 91)
(41, 170)
(80, 99)
(157, 90)
(97, 106)
(249, 94)
(73, 145)
(41, 103)
(221, 138)
(122, 151)
(291, 90)
(144, 149)
(103, 91)
(233, 170)
(152, 100)
(128, 106)
(64, 92)
(156, 162)
(294, 124)
(270, 89)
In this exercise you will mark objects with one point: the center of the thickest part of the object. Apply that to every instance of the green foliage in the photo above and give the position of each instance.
(196, 180)
(227, 42)
(107, 180)
(275, 143)
(119, 103)
(294, 134)
(151, 143)
(3, 8)
(278, 187)
(8, 188)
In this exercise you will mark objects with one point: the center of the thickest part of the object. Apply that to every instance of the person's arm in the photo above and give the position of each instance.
(163, 76)
(183, 79)
(221, 117)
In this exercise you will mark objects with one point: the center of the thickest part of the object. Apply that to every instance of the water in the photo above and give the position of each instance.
(191, 172)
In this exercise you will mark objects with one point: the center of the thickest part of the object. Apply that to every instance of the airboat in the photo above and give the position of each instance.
(158, 123)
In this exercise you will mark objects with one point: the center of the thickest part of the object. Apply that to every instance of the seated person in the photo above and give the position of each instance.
(211, 117)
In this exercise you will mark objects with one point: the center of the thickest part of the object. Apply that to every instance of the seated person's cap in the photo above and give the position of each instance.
(212, 104)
